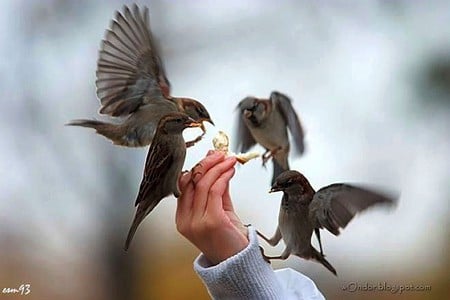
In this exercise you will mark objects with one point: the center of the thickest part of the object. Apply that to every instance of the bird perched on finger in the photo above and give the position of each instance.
(266, 122)
(304, 210)
(163, 165)
(132, 84)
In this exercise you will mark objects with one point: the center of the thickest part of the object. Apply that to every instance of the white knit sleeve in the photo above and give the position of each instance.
(247, 276)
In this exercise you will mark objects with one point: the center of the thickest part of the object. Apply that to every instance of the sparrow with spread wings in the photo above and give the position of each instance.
(304, 211)
(132, 85)
(266, 122)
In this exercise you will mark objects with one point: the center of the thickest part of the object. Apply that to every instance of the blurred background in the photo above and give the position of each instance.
(370, 81)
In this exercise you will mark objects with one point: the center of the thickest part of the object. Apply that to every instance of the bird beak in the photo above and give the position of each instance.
(247, 113)
(192, 123)
(203, 125)
(274, 189)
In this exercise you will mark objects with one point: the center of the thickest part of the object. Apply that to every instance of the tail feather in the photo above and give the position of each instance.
(277, 170)
(321, 259)
(141, 213)
(132, 231)
(114, 132)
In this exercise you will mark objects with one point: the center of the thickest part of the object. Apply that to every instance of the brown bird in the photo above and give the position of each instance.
(265, 121)
(163, 165)
(132, 84)
(303, 211)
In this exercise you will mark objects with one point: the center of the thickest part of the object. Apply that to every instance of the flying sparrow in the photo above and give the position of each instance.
(163, 165)
(132, 84)
(303, 211)
(265, 121)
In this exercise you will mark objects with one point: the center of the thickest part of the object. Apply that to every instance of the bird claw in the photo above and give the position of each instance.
(266, 157)
(266, 258)
(194, 141)
(265, 160)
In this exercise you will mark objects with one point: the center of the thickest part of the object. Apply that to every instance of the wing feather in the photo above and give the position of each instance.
(129, 70)
(334, 206)
(156, 164)
(287, 110)
(245, 139)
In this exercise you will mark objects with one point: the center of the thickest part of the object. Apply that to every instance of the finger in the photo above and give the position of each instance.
(204, 184)
(184, 203)
(185, 177)
(226, 199)
(186, 198)
(205, 164)
(214, 206)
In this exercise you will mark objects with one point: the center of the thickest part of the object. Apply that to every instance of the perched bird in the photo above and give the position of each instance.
(303, 211)
(132, 84)
(163, 165)
(265, 121)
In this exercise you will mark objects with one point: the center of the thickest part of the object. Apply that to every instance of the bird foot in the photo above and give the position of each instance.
(266, 157)
(194, 141)
(266, 258)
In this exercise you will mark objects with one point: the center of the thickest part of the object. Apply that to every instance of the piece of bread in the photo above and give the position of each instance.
(221, 143)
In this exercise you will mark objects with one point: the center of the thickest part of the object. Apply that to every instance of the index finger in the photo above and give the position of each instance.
(205, 164)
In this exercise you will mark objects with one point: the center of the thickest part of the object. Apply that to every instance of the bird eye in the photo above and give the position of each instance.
(179, 120)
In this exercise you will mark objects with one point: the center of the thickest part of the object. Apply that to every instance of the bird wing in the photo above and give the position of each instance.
(333, 207)
(290, 116)
(158, 161)
(245, 138)
(129, 70)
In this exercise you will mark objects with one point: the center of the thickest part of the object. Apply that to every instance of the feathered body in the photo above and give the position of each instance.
(304, 211)
(266, 122)
(163, 165)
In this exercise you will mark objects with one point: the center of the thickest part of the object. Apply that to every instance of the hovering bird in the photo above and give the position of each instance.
(163, 165)
(132, 84)
(265, 121)
(303, 211)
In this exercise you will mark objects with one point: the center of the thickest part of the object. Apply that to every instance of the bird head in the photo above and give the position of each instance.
(276, 94)
(196, 111)
(175, 123)
(253, 109)
(292, 181)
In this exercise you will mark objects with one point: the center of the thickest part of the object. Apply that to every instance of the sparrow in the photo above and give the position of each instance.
(163, 165)
(132, 85)
(266, 122)
(303, 211)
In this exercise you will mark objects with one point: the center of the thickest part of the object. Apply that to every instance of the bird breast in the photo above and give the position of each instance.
(178, 162)
(296, 229)
(272, 132)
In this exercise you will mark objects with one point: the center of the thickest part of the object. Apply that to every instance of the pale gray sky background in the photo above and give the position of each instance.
(358, 73)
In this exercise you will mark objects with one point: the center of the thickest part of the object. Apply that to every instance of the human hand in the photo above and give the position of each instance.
(205, 213)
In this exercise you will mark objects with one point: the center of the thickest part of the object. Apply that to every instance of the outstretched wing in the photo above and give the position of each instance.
(157, 163)
(334, 206)
(244, 138)
(129, 70)
(287, 110)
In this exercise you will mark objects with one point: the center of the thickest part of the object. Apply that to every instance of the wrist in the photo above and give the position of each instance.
(225, 244)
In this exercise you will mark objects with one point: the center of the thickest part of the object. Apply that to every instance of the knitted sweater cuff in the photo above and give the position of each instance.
(243, 276)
